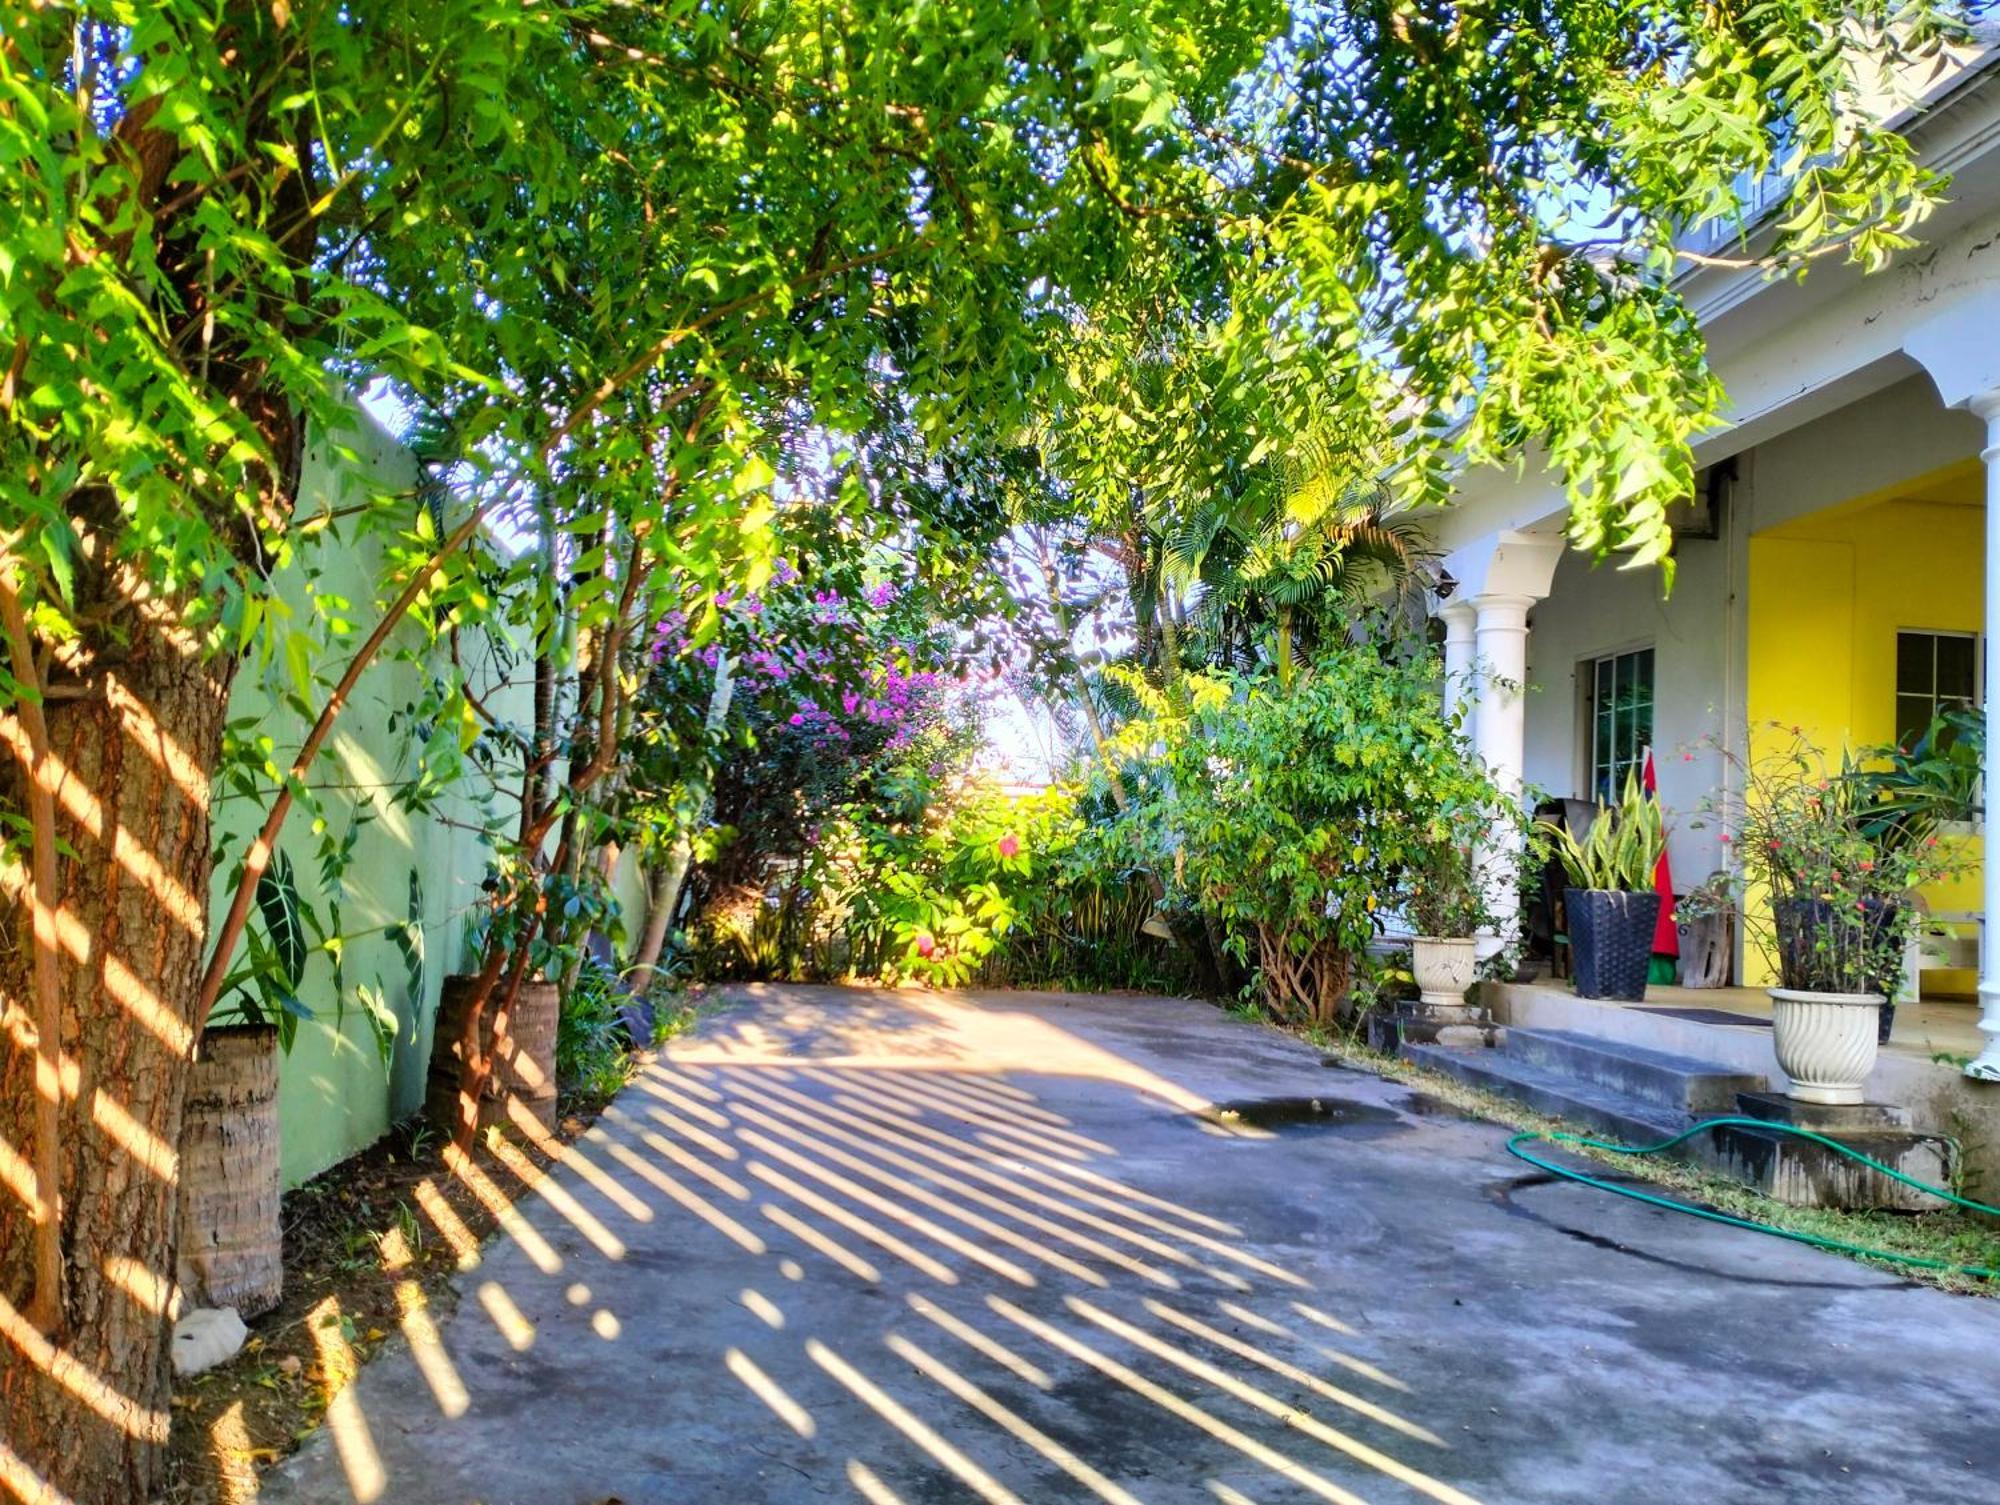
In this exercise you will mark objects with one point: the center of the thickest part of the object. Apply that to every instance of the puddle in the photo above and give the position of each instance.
(1291, 1115)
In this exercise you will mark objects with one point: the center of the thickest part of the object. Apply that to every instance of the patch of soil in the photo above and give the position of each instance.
(365, 1243)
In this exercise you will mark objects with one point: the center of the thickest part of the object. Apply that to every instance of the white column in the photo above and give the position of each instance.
(1986, 1065)
(1458, 618)
(1499, 737)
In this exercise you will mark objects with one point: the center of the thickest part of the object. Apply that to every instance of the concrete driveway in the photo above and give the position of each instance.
(857, 1245)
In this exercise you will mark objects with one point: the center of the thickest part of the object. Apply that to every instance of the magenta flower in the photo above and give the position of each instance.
(1010, 845)
(926, 944)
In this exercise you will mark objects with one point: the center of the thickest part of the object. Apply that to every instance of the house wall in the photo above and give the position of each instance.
(336, 1095)
(1597, 610)
(1790, 616)
(1828, 594)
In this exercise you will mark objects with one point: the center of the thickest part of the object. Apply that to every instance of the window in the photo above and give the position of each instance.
(1934, 672)
(1621, 719)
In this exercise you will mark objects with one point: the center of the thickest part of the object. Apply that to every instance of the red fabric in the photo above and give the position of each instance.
(1666, 934)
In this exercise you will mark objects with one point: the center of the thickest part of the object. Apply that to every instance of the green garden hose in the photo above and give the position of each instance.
(1557, 1136)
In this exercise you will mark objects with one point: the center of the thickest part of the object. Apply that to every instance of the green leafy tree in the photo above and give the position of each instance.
(622, 247)
(615, 245)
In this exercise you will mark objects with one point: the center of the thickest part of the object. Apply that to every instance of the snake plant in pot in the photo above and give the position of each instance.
(1611, 906)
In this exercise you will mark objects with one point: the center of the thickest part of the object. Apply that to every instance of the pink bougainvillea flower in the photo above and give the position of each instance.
(1010, 845)
(926, 943)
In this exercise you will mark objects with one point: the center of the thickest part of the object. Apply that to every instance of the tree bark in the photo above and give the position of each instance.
(132, 739)
(680, 857)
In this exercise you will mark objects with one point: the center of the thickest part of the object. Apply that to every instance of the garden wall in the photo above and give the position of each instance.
(335, 1094)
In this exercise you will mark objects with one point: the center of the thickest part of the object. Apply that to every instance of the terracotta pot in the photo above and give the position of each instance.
(1825, 1042)
(1444, 968)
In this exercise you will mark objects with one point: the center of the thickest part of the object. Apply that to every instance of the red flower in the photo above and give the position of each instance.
(926, 943)
(1010, 844)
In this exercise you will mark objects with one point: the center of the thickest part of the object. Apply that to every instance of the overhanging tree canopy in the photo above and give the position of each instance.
(629, 247)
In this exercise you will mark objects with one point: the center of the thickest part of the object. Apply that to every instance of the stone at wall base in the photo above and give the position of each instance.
(1804, 1174)
(206, 1337)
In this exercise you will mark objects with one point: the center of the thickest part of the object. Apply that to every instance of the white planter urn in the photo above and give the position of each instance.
(1825, 1042)
(1444, 969)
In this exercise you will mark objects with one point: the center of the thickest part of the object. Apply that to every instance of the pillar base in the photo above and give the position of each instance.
(1985, 1067)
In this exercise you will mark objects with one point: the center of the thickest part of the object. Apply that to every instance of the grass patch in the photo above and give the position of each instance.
(1960, 1238)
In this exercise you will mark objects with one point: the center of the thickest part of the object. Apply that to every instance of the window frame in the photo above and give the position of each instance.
(1589, 673)
(1898, 694)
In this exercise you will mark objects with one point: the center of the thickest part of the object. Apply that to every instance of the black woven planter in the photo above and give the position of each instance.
(1810, 934)
(1610, 941)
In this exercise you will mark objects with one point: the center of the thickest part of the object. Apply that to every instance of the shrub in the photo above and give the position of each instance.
(592, 1057)
(1839, 882)
(1295, 818)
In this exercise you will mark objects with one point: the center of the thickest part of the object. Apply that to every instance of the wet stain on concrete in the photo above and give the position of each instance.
(1292, 1115)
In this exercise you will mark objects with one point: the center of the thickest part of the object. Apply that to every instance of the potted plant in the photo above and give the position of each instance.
(1443, 903)
(1611, 907)
(1840, 887)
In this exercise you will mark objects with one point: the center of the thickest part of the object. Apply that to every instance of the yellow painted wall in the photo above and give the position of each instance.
(1827, 595)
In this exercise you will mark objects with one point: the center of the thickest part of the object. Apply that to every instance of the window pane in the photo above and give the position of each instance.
(1914, 666)
(1913, 718)
(1954, 669)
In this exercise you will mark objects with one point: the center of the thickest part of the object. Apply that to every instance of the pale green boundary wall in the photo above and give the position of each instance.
(334, 1095)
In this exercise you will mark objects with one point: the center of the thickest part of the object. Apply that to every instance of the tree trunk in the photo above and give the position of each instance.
(134, 739)
(680, 857)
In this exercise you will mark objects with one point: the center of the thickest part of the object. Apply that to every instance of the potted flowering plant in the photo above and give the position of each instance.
(1842, 906)
(1443, 901)
(1611, 907)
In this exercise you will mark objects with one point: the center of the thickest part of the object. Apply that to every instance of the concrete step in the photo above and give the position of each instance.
(1588, 1105)
(1678, 1084)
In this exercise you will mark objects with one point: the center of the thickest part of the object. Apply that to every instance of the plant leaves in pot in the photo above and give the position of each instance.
(1838, 884)
(1611, 906)
(1444, 903)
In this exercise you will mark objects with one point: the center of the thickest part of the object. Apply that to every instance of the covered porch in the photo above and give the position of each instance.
(1830, 582)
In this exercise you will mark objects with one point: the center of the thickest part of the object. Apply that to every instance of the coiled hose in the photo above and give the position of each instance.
(1817, 1241)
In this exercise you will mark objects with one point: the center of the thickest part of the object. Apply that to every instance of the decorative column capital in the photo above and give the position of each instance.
(1502, 611)
(1459, 618)
(1985, 406)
